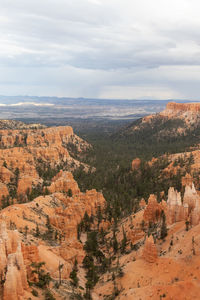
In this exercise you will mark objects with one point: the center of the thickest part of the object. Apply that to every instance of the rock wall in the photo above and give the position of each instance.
(153, 209)
(188, 112)
(184, 209)
(63, 182)
(32, 150)
(183, 107)
(176, 209)
(187, 180)
(150, 251)
(12, 267)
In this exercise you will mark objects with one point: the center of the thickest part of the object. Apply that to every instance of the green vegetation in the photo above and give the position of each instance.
(163, 232)
(73, 275)
(124, 188)
(43, 277)
(112, 154)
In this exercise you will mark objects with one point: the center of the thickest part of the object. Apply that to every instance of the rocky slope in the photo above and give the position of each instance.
(35, 165)
(44, 230)
(30, 157)
(12, 124)
(178, 125)
(181, 113)
(56, 239)
(154, 267)
(190, 112)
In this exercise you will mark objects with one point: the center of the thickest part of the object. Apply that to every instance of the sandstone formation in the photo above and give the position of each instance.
(191, 197)
(38, 161)
(142, 203)
(187, 180)
(3, 190)
(176, 209)
(189, 112)
(174, 107)
(136, 164)
(153, 209)
(12, 267)
(150, 251)
(63, 182)
(5, 175)
(28, 153)
(183, 117)
(184, 209)
(168, 268)
(64, 213)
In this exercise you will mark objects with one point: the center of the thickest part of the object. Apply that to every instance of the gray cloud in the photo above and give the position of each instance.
(100, 48)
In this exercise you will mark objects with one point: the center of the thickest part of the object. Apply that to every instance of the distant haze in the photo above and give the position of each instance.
(49, 108)
(128, 49)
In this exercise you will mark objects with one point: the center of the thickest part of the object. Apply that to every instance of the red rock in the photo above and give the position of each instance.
(3, 190)
(187, 180)
(5, 175)
(182, 107)
(63, 182)
(150, 250)
(136, 164)
(191, 196)
(142, 204)
(12, 261)
(153, 209)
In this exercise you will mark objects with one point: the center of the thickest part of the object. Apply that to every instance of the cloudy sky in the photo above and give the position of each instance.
(100, 48)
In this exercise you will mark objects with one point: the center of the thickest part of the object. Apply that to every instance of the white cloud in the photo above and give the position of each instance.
(94, 48)
(140, 92)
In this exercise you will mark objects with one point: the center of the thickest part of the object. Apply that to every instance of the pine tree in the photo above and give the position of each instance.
(60, 267)
(115, 243)
(69, 193)
(26, 231)
(187, 225)
(73, 274)
(124, 241)
(99, 215)
(163, 233)
(37, 231)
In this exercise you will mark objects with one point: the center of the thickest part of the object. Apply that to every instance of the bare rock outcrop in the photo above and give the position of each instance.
(12, 267)
(32, 152)
(153, 209)
(187, 180)
(136, 164)
(150, 251)
(5, 175)
(191, 197)
(184, 209)
(174, 107)
(63, 182)
(3, 190)
(176, 211)
(189, 112)
(142, 203)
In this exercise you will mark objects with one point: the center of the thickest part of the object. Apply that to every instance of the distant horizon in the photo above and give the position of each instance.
(97, 98)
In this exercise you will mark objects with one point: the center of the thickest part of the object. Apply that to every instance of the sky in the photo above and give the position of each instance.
(128, 49)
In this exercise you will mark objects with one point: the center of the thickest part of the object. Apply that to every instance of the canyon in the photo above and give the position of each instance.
(50, 228)
(25, 155)
(160, 268)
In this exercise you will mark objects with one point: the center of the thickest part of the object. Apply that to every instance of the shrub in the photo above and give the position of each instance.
(49, 296)
(34, 293)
